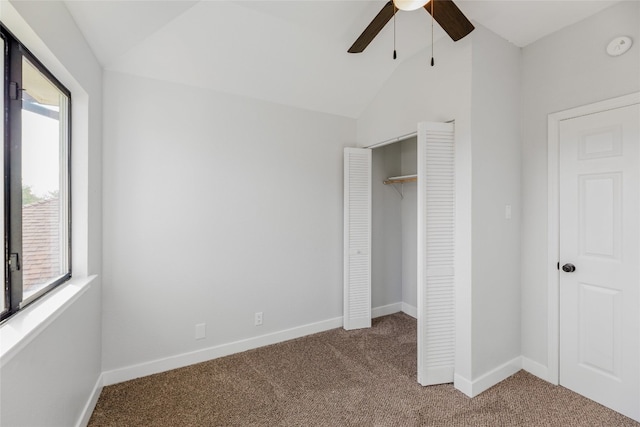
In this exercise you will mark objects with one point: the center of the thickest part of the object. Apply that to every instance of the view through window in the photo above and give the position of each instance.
(44, 239)
(36, 225)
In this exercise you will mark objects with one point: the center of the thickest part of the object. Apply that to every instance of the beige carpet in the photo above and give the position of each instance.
(337, 378)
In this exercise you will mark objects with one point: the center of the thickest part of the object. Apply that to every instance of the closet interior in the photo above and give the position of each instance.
(394, 231)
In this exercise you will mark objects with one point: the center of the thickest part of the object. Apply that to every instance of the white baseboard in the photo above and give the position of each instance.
(410, 310)
(488, 380)
(535, 368)
(397, 307)
(181, 360)
(91, 403)
(385, 310)
(463, 384)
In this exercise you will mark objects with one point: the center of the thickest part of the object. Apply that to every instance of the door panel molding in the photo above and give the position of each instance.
(553, 217)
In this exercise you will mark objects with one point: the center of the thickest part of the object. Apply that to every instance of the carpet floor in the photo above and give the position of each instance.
(337, 378)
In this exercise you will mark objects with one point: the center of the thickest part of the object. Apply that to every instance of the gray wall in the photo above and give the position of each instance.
(215, 207)
(417, 92)
(495, 143)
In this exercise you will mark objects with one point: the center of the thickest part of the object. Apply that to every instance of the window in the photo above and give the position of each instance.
(36, 191)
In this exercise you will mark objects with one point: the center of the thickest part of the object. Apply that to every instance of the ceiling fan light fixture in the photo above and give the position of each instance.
(408, 5)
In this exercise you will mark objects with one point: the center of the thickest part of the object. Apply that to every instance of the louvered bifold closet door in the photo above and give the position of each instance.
(357, 238)
(436, 248)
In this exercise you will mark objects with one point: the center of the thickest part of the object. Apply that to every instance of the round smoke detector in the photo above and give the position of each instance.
(619, 45)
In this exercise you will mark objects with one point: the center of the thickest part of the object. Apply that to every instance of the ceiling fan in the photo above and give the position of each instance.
(445, 13)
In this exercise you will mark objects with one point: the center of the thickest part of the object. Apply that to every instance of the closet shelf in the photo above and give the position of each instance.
(400, 179)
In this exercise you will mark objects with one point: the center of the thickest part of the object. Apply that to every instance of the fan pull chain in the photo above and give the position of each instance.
(432, 19)
(394, 31)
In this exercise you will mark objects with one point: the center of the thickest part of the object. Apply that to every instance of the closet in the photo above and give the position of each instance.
(394, 227)
(399, 239)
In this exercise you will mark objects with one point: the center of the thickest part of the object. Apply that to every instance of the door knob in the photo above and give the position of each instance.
(568, 268)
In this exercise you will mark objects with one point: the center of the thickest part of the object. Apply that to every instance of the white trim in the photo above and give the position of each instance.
(535, 368)
(488, 380)
(186, 359)
(392, 140)
(385, 310)
(23, 327)
(463, 384)
(396, 307)
(463, 245)
(174, 362)
(85, 416)
(553, 307)
(553, 253)
(410, 310)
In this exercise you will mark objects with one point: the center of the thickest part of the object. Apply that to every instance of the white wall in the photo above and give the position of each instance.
(215, 207)
(561, 71)
(495, 141)
(417, 92)
(53, 380)
(54, 376)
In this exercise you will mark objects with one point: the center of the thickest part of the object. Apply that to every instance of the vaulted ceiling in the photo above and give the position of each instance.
(290, 52)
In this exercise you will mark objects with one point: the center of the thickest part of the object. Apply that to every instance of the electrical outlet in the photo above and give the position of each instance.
(201, 331)
(257, 318)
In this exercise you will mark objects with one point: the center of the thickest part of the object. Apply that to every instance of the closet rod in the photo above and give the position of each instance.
(393, 140)
(400, 179)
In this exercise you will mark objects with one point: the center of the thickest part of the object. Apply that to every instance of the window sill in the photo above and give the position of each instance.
(19, 330)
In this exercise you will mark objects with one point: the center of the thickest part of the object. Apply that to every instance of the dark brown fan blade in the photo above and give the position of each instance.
(450, 18)
(373, 29)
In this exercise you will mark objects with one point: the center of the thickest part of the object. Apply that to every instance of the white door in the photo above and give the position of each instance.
(357, 238)
(599, 236)
(436, 247)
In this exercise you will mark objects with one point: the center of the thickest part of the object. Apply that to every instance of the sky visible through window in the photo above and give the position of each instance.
(40, 151)
(40, 133)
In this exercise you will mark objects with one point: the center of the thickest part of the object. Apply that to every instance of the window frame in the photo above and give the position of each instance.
(14, 53)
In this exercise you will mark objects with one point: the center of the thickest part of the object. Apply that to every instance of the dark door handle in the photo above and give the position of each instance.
(568, 268)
